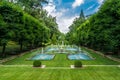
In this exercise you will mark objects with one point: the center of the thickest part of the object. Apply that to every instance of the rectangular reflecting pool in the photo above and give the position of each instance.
(42, 57)
(80, 56)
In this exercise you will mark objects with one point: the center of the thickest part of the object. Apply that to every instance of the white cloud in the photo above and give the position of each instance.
(50, 8)
(77, 3)
(63, 20)
(90, 7)
(100, 1)
(64, 23)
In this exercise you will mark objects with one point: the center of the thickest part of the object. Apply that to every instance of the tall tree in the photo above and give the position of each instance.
(101, 30)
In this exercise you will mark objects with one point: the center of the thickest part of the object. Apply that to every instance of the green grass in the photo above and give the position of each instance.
(61, 60)
(23, 59)
(86, 73)
(99, 59)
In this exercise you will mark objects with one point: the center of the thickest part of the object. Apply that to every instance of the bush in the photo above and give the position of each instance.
(78, 64)
(37, 63)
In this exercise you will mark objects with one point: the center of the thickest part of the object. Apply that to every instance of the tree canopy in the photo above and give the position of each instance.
(101, 31)
(25, 29)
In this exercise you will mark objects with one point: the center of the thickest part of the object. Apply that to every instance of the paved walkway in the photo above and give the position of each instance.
(59, 67)
(103, 65)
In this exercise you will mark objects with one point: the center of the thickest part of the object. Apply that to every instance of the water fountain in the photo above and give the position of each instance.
(42, 51)
(61, 48)
(75, 52)
(79, 49)
(62, 42)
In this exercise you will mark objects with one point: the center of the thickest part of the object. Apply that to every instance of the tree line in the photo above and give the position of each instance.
(21, 26)
(101, 31)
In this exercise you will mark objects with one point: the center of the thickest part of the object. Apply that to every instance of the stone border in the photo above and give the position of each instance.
(7, 59)
(107, 56)
(73, 67)
(42, 66)
(113, 58)
(15, 56)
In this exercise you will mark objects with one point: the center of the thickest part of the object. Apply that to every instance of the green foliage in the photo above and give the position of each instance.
(72, 35)
(78, 64)
(34, 8)
(37, 63)
(18, 26)
(101, 30)
(30, 27)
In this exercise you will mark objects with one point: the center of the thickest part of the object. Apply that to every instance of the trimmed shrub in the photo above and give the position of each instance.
(37, 63)
(78, 64)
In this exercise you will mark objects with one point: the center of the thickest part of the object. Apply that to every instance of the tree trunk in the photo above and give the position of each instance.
(119, 51)
(3, 51)
(21, 46)
(31, 46)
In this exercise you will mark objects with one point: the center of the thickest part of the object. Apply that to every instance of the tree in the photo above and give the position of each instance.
(73, 28)
(21, 27)
(3, 39)
(101, 30)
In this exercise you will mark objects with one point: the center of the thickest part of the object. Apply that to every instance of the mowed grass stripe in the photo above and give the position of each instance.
(87, 73)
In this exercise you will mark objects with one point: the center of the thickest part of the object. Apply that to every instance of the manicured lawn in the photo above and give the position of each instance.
(87, 73)
(99, 59)
(61, 60)
(59, 69)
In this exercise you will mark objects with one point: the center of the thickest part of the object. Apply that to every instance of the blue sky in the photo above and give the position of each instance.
(66, 11)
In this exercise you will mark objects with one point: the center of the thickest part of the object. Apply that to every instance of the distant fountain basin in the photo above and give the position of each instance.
(75, 53)
(52, 49)
(80, 56)
(71, 49)
(42, 57)
(61, 49)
